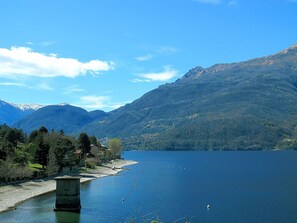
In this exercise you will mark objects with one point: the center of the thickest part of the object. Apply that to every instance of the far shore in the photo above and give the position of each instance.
(13, 194)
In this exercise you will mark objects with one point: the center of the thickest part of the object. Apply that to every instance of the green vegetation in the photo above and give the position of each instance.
(34, 166)
(115, 146)
(249, 105)
(45, 153)
(60, 117)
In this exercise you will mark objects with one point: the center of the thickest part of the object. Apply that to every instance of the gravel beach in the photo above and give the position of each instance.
(11, 195)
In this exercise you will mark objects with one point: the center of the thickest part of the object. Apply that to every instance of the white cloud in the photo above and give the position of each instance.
(73, 89)
(144, 58)
(213, 2)
(93, 102)
(22, 61)
(165, 75)
(12, 84)
(43, 86)
(33, 86)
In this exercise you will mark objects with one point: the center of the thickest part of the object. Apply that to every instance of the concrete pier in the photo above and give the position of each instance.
(68, 194)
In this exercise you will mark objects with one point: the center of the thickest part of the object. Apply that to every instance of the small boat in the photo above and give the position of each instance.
(208, 206)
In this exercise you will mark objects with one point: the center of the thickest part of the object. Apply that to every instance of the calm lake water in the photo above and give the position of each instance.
(258, 187)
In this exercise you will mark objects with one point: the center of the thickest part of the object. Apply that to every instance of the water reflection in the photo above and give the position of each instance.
(67, 217)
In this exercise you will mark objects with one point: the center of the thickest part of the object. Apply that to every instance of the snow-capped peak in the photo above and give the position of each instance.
(2, 103)
(25, 107)
(63, 104)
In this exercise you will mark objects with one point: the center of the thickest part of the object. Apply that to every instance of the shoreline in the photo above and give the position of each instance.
(12, 195)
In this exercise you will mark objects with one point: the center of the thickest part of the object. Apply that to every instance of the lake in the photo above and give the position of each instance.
(245, 187)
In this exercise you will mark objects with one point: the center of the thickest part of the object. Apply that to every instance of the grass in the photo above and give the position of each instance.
(35, 166)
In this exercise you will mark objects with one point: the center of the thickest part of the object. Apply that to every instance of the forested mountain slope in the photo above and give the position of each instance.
(59, 117)
(246, 105)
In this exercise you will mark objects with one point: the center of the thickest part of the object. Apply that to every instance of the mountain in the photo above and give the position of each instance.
(27, 108)
(245, 105)
(59, 117)
(10, 113)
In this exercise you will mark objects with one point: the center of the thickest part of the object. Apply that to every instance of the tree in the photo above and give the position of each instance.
(9, 143)
(32, 136)
(43, 130)
(42, 153)
(52, 165)
(84, 143)
(11, 138)
(64, 151)
(94, 141)
(115, 146)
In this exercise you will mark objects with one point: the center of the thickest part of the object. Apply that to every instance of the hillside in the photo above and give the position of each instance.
(246, 105)
(59, 117)
(10, 113)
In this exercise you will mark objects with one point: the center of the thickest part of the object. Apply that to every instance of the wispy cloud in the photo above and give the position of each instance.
(43, 86)
(47, 43)
(12, 84)
(22, 61)
(33, 86)
(144, 58)
(165, 75)
(213, 2)
(73, 89)
(92, 102)
(166, 50)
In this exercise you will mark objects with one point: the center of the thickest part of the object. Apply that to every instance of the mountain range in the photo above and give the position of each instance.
(59, 117)
(245, 105)
(10, 113)
(236, 106)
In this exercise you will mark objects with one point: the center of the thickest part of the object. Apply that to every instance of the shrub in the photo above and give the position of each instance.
(90, 163)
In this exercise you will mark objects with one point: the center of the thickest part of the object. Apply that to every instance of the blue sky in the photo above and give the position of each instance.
(101, 54)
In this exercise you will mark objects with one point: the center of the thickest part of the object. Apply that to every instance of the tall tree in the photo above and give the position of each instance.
(84, 143)
(52, 165)
(64, 151)
(32, 136)
(115, 146)
(42, 153)
(9, 142)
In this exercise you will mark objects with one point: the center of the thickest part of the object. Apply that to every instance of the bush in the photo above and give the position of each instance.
(90, 163)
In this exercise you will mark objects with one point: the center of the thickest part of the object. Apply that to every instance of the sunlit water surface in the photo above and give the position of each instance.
(245, 187)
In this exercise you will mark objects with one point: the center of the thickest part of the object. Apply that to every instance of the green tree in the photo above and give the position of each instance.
(52, 167)
(10, 138)
(31, 149)
(84, 143)
(43, 130)
(64, 151)
(115, 146)
(32, 136)
(94, 141)
(42, 152)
